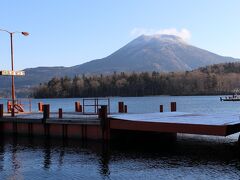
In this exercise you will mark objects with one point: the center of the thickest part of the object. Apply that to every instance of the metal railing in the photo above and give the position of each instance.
(95, 103)
(21, 105)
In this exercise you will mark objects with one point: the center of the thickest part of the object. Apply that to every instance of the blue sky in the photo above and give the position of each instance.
(67, 33)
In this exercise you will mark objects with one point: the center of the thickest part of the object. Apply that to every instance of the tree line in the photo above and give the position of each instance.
(211, 80)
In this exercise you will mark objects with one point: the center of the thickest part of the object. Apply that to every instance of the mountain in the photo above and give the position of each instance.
(163, 53)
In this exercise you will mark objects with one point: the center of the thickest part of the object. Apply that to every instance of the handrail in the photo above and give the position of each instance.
(96, 103)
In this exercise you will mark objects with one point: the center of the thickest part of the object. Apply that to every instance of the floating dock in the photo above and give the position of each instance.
(178, 122)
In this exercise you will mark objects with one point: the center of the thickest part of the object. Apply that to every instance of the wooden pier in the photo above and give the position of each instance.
(82, 126)
(102, 125)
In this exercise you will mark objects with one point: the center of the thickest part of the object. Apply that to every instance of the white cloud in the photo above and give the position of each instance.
(183, 33)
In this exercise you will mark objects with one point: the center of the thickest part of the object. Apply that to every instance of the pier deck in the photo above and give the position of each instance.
(178, 122)
(69, 117)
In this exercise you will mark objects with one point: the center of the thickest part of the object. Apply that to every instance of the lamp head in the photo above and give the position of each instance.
(25, 33)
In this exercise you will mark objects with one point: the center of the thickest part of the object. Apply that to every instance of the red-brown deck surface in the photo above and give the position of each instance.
(178, 122)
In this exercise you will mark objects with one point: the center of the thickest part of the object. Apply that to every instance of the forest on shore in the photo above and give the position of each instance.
(211, 80)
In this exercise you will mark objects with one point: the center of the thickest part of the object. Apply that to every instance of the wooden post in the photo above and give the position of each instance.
(102, 112)
(60, 113)
(46, 112)
(173, 106)
(161, 108)
(1, 110)
(40, 107)
(121, 107)
(104, 122)
(125, 109)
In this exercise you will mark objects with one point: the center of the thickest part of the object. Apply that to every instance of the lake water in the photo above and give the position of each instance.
(199, 104)
(190, 157)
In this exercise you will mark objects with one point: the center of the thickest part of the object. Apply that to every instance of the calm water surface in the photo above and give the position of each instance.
(190, 157)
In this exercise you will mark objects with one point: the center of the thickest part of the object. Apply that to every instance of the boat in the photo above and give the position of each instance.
(234, 97)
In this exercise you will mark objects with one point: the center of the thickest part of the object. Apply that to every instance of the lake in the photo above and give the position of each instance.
(190, 157)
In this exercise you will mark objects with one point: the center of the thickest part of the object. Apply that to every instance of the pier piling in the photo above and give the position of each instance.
(46, 111)
(102, 113)
(104, 122)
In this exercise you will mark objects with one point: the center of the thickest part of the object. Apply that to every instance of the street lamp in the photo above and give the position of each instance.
(12, 64)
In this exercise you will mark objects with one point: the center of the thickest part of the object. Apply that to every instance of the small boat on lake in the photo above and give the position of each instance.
(234, 97)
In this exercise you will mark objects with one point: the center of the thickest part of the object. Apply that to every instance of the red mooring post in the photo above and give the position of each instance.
(40, 107)
(78, 107)
(9, 106)
(60, 113)
(46, 111)
(121, 107)
(173, 106)
(161, 108)
(1, 110)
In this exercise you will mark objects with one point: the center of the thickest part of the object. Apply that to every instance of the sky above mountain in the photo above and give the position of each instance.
(67, 33)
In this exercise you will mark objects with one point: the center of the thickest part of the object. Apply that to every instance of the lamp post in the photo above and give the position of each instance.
(12, 65)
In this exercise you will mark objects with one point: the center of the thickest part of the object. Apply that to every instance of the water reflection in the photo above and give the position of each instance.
(104, 160)
(47, 154)
(16, 163)
(28, 158)
(61, 156)
(1, 154)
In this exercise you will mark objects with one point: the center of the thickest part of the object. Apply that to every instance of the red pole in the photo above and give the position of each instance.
(13, 86)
